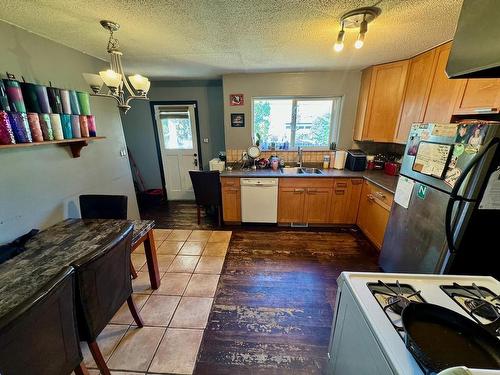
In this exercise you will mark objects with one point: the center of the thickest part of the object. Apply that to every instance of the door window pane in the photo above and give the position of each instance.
(177, 132)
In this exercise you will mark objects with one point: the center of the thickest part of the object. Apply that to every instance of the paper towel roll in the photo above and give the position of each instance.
(46, 126)
(55, 121)
(340, 157)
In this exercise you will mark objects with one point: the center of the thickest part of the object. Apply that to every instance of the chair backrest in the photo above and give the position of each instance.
(103, 284)
(206, 186)
(103, 206)
(40, 336)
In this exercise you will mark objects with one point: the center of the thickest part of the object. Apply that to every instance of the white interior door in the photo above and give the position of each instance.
(179, 148)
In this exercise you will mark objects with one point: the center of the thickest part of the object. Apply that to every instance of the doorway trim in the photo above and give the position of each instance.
(152, 105)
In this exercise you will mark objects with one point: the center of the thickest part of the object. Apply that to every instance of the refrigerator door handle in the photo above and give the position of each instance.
(454, 197)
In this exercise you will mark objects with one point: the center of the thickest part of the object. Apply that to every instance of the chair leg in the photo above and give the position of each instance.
(135, 314)
(98, 358)
(132, 271)
(199, 214)
(81, 369)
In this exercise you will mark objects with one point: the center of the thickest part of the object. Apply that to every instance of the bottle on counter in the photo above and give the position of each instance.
(326, 161)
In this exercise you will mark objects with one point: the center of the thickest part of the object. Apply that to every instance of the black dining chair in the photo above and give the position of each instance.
(40, 336)
(100, 206)
(103, 284)
(207, 191)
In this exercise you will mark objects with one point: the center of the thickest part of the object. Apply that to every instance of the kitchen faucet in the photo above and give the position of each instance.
(299, 154)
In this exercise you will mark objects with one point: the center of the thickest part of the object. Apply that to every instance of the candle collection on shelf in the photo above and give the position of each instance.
(35, 113)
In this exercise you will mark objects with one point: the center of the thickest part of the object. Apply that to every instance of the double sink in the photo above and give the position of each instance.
(301, 170)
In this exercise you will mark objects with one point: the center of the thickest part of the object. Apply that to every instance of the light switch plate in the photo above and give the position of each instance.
(205, 140)
(123, 152)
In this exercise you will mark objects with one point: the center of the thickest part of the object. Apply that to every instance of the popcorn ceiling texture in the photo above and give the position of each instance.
(208, 38)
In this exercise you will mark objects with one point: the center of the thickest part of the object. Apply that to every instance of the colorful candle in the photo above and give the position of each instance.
(15, 95)
(73, 100)
(55, 121)
(46, 126)
(20, 127)
(6, 134)
(66, 126)
(30, 97)
(36, 130)
(84, 127)
(84, 102)
(75, 126)
(55, 99)
(65, 101)
(4, 100)
(91, 125)
(43, 98)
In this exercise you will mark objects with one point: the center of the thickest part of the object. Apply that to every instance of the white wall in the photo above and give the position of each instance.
(39, 186)
(327, 83)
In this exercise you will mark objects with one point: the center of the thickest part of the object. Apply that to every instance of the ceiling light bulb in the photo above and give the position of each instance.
(338, 47)
(139, 83)
(363, 28)
(111, 78)
(339, 44)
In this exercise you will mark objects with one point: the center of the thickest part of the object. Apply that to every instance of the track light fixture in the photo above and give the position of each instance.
(356, 19)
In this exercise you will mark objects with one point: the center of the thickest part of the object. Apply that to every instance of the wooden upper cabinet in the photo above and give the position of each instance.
(444, 92)
(418, 86)
(384, 101)
(479, 96)
(366, 76)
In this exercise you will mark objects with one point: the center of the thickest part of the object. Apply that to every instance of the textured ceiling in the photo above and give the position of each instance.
(207, 38)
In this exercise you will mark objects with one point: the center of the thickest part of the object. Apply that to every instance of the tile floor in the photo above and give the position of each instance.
(174, 315)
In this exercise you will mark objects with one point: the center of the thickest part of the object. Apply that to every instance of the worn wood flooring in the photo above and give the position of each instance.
(273, 309)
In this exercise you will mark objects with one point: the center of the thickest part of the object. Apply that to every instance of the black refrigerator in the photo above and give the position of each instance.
(446, 213)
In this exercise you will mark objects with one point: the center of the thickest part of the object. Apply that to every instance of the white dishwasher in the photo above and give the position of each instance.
(259, 200)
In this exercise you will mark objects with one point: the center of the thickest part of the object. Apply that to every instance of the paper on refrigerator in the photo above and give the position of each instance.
(491, 197)
(404, 191)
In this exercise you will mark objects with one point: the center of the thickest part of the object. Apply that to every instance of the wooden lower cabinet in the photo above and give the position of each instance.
(291, 204)
(373, 213)
(317, 205)
(231, 199)
(345, 200)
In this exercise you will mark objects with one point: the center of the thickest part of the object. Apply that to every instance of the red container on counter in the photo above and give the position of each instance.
(391, 168)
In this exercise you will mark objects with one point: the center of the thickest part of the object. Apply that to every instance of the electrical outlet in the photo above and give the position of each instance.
(205, 140)
(244, 155)
(123, 152)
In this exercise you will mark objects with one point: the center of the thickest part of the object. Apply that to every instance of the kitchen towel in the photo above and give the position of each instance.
(73, 100)
(340, 157)
(15, 95)
(6, 134)
(46, 126)
(55, 121)
(66, 126)
(75, 126)
(30, 97)
(55, 99)
(20, 127)
(84, 126)
(84, 102)
(36, 130)
(91, 125)
(65, 101)
(43, 98)
(4, 100)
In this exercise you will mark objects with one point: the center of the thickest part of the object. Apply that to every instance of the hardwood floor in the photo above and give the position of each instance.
(273, 308)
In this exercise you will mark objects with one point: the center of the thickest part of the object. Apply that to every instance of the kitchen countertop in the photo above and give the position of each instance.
(379, 178)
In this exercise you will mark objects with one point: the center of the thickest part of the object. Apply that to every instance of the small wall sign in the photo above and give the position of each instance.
(237, 120)
(422, 191)
(236, 99)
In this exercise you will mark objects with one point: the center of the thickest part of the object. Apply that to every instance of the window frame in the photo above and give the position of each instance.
(337, 102)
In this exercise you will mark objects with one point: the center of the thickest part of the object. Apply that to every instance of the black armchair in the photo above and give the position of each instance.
(207, 191)
(103, 284)
(40, 337)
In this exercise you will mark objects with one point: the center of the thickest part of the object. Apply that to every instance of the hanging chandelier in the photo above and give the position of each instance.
(357, 18)
(137, 86)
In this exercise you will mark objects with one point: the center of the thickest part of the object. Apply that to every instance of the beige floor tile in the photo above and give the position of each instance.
(179, 235)
(164, 261)
(202, 285)
(158, 310)
(158, 243)
(142, 283)
(192, 312)
(212, 265)
(161, 234)
(169, 247)
(216, 249)
(123, 315)
(200, 235)
(192, 248)
(137, 348)
(183, 263)
(139, 249)
(220, 236)
(173, 284)
(138, 260)
(177, 351)
(107, 341)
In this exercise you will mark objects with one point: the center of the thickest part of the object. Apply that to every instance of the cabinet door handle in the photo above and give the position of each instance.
(232, 189)
(341, 184)
(380, 195)
(298, 190)
(485, 110)
(370, 197)
(340, 192)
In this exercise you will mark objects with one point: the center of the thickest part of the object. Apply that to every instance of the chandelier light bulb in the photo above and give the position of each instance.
(363, 28)
(339, 44)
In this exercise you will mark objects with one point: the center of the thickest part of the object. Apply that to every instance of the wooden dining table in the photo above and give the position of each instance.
(59, 246)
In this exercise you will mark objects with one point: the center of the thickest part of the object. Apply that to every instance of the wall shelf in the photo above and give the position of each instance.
(75, 144)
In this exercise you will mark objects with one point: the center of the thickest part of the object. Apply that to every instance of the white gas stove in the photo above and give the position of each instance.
(367, 335)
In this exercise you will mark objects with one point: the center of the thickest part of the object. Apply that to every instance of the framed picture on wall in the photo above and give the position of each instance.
(236, 99)
(237, 120)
